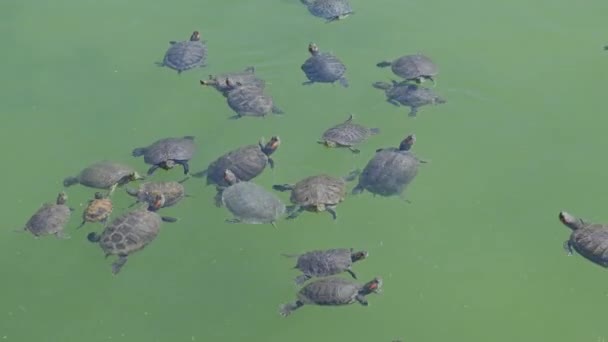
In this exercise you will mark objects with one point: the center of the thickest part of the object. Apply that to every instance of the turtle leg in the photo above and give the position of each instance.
(184, 164)
(413, 111)
(352, 274)
(354, 150)
(295, 212)
(343, 82)
(332, 211)
(274, 224)
(568, 247)
(152, 169)
(394, 102)
(233, 220)
(286, 309)
(271, 163)
(301, 279)
(283, 187)
(308, 83)
(61, 235)
(361, 299)
(82, 224)
(218, 198)
(112, 189)
(118, 264)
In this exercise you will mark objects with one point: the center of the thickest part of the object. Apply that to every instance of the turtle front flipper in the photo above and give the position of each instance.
(568, 247)
(294, 211)
(283, 187)
(152, 169)
(354, 150)
(301, 279)
(184, 164)
(352, 274)
(361, 299)
(332, 211)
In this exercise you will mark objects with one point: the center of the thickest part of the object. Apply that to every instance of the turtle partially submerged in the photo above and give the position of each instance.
(104, 175)
(332, 291)
(390, 170)
(249, 202)
(172, 191)
(186, 55)
(246, 77)
(51, 218)
(589, 239)
(323, 263)
(410, 95)
(347, 134)
(330, 10)
(317, 193)
(167, 153)
(249, 100)
(99, 209)
(415, 68)
(323, 67)
(131, 232)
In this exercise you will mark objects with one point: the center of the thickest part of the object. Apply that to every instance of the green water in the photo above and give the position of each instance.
(476, 256)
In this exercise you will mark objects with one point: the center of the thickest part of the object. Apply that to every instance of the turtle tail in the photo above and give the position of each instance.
(384, 64)
(138, 152)
(290, 255)
(69, 181)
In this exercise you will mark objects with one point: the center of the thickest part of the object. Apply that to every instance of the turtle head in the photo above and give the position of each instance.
(373, 286)
(271, 145)
(156, 200)
(230, 177)
(167, 165)
(358, 256)
(313, 49)
(211, 81)
(98, 195)
(195, 37)
(62, 198)
(407, 143)
(570, 221)
(135, 176)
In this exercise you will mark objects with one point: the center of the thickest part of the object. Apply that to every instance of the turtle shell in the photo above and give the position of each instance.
(348, 133)
(246, 163)
(319, 189)
(130, 232)
(103, 175)
(251, 203)
(186, 55)
(169, 149)
(329, 9)
(389, 172)
(51, 218)
(246, 77)
(591, 242)
(414, 66)
(324, 68)
(413, 95)
(250, 101)
(329, 291)
(97, 210)
(325, 263)
(172, 191)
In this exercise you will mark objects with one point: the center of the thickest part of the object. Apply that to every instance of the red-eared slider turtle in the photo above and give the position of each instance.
(168, 152)
(99, 209)
(246, 77)
(332, 291)
(249, 202)
(317, 193)
(589, 239)
(347, 134)
(130, 232)
(329, 9)
(323, 263)
(104, 175)
(390, 170)
(186, 55)
(172, 191)
(246, 162)
(415, 68)
(410, 95)
(249, 100)
(51, 218)
(323, 67)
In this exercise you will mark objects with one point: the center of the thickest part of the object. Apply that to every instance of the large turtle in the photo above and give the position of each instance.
(589, 239)
(323, 67)
(186, 55)
(332, 291)
(249, 202)
(390, 170)
(415, 68)
(172, 191)
(317, 193)
(347, 134)
(249, 100)
(51, 218)
(323, 263)
(246, 162)
(246, 77)
(168, 152)
(131, 232)
(99, 209)
(330, 10)
(104, 175)
(410, 95)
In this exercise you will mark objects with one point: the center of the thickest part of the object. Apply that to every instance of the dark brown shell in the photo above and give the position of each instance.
(246, 163)
(592, 243)
(49, 219)
(130, 232)
(98, 210)
(319, 189)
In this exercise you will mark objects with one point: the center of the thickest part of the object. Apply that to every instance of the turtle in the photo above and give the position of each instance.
(168, 152)
(246, 162)
(172, 191)
(186, 55)
(249, 100)
(246, 77)
(99, 209)
(390, 170)
(331, 10)
(323, 67)
(248, 202)
(51, 218)
(131, 232)
(104, 175)
(332, 291)
(410, 95)
(323, 263)
(589, 239)
(317, 193)
(415, 68)
(347, 134)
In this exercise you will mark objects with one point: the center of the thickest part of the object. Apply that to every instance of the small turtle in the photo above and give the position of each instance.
(249, 202)
(246, 77)
(323, 263)
(246, 162)
(330, 10)
(317, 193)
(415, 68)
(347, 134)
(186, 55)
(51, 218)
(589, 239)
(172, 191)
(104, 175)
(410, 95)
(98, 210)
(166, 153)
(332, 291)
(323, 67)
(249, 100)
(131, 232)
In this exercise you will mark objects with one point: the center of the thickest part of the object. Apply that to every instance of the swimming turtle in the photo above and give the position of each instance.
(415, 68)
(249, 202)
(330, 10)
(104, 175)
(410, 95)
(186, 55)
(390, 170)
(168, 152)
(246, 77)
(172, 191)
(51, 218)
(589, 239)
(249, 100)
(347, 134)
(323, 67)
(99, 209)
(323, 263)
(332, 291)
(246, 162)
(317, 193)
(131, 232)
